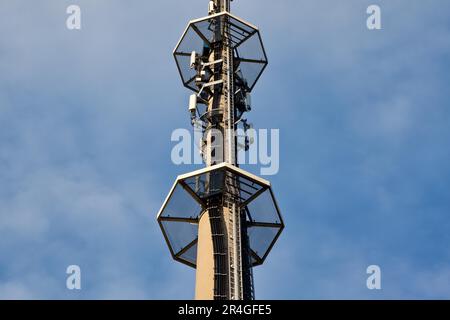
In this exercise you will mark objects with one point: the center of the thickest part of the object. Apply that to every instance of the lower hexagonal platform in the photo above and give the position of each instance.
(179, 216)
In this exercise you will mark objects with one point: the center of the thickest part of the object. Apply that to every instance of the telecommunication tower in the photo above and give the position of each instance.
(221, 220)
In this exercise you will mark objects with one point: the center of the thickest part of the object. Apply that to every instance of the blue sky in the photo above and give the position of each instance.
(85, 124)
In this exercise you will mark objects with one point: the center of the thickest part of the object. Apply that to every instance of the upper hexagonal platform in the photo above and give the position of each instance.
(180, 213)
(245, 39)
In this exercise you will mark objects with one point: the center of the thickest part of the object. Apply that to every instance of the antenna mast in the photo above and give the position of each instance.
(220, 58)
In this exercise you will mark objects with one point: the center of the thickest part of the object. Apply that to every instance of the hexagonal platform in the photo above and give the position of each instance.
(180, 214)
(249, 54)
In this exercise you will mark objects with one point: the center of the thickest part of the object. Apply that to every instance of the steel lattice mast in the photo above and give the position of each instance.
(221, 220)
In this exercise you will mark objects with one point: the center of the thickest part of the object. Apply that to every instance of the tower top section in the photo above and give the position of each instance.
(200, 36)
(221, 220)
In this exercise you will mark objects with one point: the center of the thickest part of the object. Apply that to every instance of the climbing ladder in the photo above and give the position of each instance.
(218, 233)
